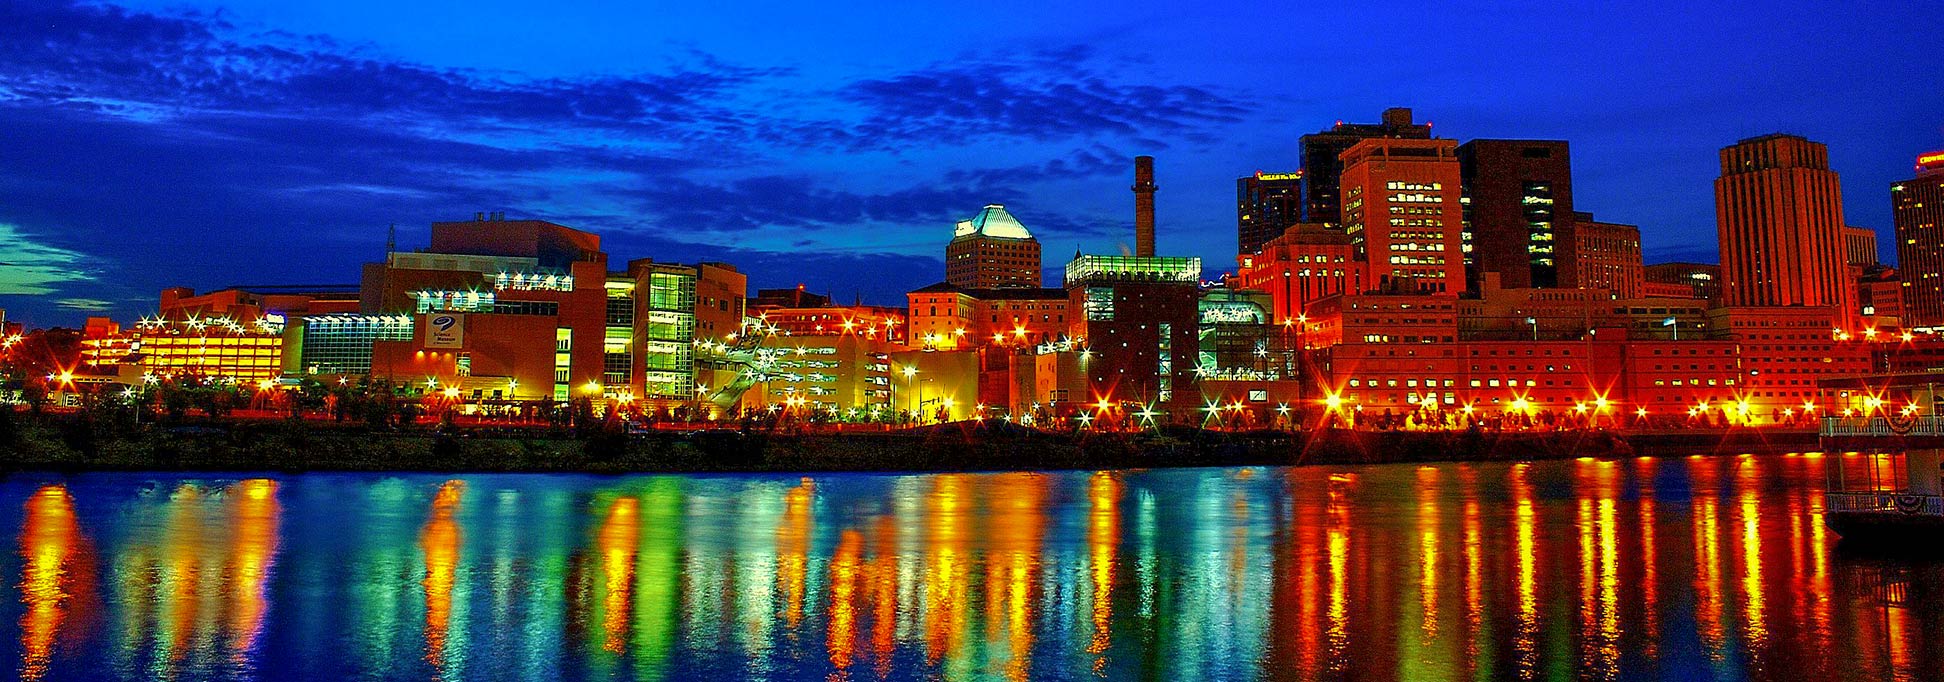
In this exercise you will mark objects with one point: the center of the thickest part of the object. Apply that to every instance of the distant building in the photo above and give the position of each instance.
(1602, 256)
(1682, 279)
(1859, 246)
(1918, 208)
(992, 250)
(1266, 204)
(1323, 165)
(1402, 211)
(1779, 215)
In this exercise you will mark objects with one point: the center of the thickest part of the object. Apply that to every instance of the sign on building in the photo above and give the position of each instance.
(445, 330)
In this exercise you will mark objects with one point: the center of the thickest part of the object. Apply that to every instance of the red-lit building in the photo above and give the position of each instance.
(1402, 210)
(1779, 212)
(1602, 255)
(1307, 262)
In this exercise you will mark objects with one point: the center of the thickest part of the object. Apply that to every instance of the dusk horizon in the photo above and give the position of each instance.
(248, 144)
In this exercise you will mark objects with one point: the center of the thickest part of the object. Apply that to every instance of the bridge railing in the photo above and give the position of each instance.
(1885, 501)
(1881, 427)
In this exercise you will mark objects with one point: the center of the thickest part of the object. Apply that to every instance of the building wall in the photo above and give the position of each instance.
(1694, 280)
(1401, 207)
(1779, 214)
(1859, 246)
(721, 298)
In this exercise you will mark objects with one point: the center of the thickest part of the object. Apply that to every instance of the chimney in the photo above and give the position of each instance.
(1144, 206)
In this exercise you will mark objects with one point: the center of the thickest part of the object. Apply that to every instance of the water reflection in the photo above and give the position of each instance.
(1644, 569)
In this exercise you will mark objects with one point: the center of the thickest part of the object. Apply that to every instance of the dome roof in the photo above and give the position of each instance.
(992, 221)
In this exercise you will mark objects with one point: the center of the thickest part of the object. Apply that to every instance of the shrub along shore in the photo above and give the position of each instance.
(78, 444)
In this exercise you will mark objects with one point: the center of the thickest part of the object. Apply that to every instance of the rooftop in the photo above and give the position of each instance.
(992, 221)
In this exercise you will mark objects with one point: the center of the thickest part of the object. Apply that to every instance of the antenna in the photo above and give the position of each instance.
(391, 238)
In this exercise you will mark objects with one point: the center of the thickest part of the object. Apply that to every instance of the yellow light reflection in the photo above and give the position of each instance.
(793, 549)
(1103, 543)
(254, 521)
(618, 541)
(1525, 643)
(49, 541)
(842, 637)
(439, 540)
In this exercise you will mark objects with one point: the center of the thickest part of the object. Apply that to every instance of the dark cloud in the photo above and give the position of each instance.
(1048, 96)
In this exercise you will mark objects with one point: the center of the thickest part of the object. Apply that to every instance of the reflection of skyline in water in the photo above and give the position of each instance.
(1642, 569)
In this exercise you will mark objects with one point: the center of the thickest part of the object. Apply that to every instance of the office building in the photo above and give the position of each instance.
(1401, 209)
(1136, 321)
(1917, 206)
(992, 250)
(1682, 279)
(1779, 215)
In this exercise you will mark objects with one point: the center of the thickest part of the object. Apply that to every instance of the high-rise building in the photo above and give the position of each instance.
(992, 250)
(1918, 205)
(1519, 210)
(1602, 256)
(1779, 216)
(1323, 165)
(1401, 209)
(1266, 204)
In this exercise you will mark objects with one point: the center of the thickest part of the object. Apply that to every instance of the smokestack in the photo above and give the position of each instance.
(1144, 206)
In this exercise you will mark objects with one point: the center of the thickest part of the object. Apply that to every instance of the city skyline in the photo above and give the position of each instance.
(285, 140)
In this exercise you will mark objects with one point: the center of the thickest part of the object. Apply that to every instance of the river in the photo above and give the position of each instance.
(1652, 568)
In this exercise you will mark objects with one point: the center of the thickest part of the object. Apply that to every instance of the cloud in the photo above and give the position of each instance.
(93, 305)
(267, 157)
(30, 268)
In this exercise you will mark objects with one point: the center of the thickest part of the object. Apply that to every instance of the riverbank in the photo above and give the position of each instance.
(292, 446)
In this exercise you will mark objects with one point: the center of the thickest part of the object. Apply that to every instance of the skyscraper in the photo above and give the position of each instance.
(1323, 165)
(1779, 217)
(1401, 210)
(1918, 206)
(1519, 196)
(1266, 204)
(992, 250)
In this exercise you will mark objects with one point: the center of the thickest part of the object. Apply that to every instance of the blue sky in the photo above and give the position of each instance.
(154, 144)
